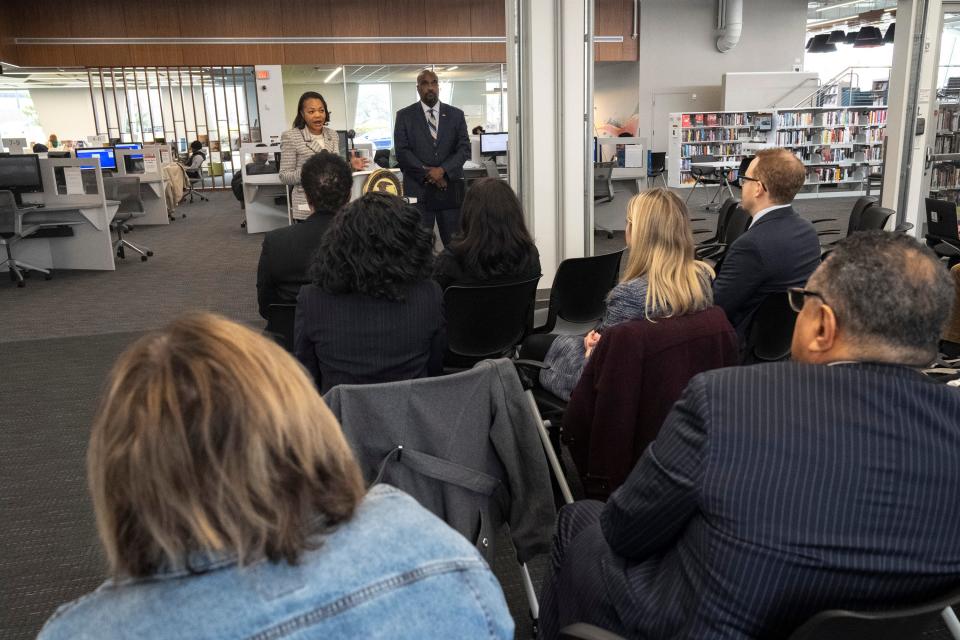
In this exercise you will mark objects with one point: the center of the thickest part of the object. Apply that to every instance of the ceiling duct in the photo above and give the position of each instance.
(730, 24)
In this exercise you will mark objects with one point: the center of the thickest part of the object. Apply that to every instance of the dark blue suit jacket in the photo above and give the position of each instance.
(781, 250)
(775, 491)
(415, 148)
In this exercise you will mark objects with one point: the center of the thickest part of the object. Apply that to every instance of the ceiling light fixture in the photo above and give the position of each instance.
(838, 5)
(333, 74)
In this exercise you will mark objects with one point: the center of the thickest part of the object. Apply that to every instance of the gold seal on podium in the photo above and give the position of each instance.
(383, 181)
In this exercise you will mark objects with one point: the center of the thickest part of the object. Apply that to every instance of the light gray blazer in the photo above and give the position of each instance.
(296, 147)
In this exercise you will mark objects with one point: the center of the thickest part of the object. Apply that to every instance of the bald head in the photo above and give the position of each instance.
(428, 87)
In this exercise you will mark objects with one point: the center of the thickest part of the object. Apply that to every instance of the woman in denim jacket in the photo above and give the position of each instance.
(229, 505)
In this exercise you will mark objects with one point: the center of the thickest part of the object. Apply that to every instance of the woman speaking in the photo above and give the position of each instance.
(309, 135)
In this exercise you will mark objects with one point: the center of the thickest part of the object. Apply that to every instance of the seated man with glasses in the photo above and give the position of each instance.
(776, 491)
(779, 250)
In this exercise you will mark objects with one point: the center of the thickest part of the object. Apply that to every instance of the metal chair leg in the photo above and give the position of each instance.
(692, 189)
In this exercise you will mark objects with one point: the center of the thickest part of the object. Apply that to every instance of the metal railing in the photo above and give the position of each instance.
(831, 92)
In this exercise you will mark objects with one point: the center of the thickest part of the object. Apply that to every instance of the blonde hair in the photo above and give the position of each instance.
(661, 248)
(211, 438)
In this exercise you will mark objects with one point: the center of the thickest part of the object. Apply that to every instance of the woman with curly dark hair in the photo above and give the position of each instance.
(372, 313)
(494, 246)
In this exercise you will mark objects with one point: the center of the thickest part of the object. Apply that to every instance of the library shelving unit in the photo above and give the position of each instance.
(837, 145)
(714, 133)
(945, 162)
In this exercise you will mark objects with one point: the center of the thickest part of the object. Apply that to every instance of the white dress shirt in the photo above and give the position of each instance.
(764, 212)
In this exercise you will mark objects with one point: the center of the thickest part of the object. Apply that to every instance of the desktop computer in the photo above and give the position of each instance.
(130, 145)
(20, 174)
(493, 144)
(108, 159)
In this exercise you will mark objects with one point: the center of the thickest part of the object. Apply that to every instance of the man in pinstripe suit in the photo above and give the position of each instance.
(775, 491)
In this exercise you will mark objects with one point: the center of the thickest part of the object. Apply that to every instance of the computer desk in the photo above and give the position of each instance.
(90, 246)
(152, 184)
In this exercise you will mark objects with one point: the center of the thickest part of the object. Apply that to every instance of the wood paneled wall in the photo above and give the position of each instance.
(250, 18)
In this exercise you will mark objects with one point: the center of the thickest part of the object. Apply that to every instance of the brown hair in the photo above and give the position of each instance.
(661, 248)
(211, 438)
(781, 173)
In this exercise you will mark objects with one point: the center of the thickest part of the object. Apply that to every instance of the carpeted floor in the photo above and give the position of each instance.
(58, 341)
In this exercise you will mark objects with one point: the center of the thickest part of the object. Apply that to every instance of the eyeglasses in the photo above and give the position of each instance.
(748, 179)
(796, 296)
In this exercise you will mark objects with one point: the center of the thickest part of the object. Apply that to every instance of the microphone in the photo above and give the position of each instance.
(351, 134)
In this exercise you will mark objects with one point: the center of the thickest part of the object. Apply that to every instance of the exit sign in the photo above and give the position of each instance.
(263, 75)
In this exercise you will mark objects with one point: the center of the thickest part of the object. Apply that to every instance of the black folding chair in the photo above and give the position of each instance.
(771, 330)
(657, 167)
(280, 320)
(732, 222)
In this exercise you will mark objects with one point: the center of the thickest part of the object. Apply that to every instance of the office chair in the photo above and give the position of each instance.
(862, 204)
(771, 330)
(603, 189)
(487, 321)
(126, 189)
(657, 167)
(381, 158)
(192, 179)
(578, 296)
(705, 175)
(12, 230)
(935, 620)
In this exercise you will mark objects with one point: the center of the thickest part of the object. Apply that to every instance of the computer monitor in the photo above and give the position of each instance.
(942, 219)
(130, 145)
(20, 174)
(493, 144)
(108, 160)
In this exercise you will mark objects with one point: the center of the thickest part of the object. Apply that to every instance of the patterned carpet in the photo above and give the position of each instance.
(58, 341)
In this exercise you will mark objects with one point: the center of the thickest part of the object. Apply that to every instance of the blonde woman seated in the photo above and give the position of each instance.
(230, 506)
(662, 278)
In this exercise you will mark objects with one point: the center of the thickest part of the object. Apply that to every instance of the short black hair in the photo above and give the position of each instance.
(326, 179)
(888, 289)
(196, 145)
(376, 246)
(298, 121)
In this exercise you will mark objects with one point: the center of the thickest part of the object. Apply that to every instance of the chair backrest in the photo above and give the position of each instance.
(736, 225)
(8, 213)
(862, 204)
(702, 171)
(742, 170)
(580, 288)
(941, 219)
(126, 189)
(280, 318)
(491, 167)
(919, 621)
(488, 321)
(874, 219)
(723, 216)
(771, 330)
(657, 164)
(381, 158)
(602, 173)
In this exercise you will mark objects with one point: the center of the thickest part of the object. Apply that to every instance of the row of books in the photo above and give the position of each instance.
(838, 118)
(716, 120)
(947, 144)
(948, 119)
(834, 174)
(828, 155)
(685, 163)
(945, 176)
(713, 135)
(823, 136)
(708, 149)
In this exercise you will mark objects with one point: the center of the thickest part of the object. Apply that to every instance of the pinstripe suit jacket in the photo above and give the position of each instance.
(775, 491)
(296, 147)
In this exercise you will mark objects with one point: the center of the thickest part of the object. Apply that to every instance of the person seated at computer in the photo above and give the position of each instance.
(195, 161)
(779, 249)
(53, 142)
(287, 252)
(261, 164)
(493, 245)
(309, 135)
(372, 313)
(662, 278)
(776, 491)
(230, 505)
(39, 147)
(477, 130)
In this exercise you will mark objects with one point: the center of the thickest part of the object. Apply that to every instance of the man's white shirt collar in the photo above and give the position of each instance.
(426, 109)
(764, 212)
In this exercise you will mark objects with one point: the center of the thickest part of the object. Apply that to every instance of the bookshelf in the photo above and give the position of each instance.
(838, 145)
(945, 162)
(714, 133)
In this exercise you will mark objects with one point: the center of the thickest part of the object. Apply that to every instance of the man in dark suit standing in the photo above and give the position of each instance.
(775, 491)
(432, 145)
(779, 249)
(287, 252)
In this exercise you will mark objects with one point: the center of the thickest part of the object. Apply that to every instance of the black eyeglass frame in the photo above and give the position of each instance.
(797, 305)
(740, 179)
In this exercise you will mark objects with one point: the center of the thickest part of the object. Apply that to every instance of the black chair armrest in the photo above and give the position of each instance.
(710, 250)
(828, 232)
(584, 631)
(818, 220)
(903, 227)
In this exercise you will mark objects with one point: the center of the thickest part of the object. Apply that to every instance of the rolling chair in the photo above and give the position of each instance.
(126, 189)
(12, 230)
(603, 189)
(193, 178)
(657, 167)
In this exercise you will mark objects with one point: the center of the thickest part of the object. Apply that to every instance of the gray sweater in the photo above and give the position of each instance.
(464, 445)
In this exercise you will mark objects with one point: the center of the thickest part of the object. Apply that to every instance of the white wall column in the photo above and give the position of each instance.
(273, 121)
(912, 95)
(550, 67)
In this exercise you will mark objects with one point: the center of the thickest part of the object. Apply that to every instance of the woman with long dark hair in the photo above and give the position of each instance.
(372, 313)
(310, 135)
(493, 246)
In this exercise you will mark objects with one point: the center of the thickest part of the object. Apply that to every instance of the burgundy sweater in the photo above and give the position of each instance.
(635, 374)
